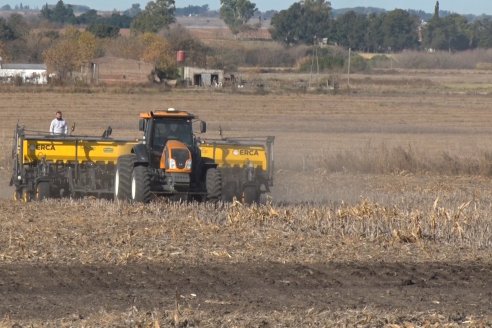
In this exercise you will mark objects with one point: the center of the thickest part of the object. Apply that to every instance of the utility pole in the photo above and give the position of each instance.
(315, 56)
(348, 72)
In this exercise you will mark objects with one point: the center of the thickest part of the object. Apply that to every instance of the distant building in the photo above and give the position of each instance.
(23, 73)
(203, 77)
(115, 70)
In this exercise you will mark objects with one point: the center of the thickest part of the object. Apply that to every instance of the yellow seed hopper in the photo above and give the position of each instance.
(74, 149)
(246, 165)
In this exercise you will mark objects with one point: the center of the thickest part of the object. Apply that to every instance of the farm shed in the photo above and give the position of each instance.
(203, 77)
(114, 70)
(29, 73)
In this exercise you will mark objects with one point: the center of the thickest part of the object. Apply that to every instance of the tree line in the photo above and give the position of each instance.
(312, 20)
(304, 23)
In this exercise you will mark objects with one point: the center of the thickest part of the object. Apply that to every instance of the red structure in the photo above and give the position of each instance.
(181, 56)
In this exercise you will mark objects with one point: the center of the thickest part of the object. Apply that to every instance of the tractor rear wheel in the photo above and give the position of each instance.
(213, 183)
(42, 190)
(140, 185)
(123, 177)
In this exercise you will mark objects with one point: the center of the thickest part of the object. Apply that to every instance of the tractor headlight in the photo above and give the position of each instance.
(172, 164)
(188, 164)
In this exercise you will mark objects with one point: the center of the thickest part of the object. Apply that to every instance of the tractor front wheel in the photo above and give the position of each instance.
(213, 183)
(123, 177)
(140, 185)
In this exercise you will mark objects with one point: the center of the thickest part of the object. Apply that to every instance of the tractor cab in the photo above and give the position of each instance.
(169, 139)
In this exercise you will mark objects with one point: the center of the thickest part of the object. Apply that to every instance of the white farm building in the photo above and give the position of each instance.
(23, 73)
(203, 77)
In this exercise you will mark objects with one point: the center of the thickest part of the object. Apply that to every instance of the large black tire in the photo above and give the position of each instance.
(140, 185)
(213, 183)
(42, 191)
(123, 177)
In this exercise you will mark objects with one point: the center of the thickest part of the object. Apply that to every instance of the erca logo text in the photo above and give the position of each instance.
(45, 147)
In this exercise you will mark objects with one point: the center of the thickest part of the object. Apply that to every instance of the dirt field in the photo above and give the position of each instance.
(97, 263)
(380, 214)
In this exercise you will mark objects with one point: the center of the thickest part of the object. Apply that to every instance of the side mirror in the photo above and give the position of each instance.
(73, 127)
(203, 127)
(141, 125)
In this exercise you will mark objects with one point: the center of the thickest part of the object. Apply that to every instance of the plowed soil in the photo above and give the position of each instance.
(251, 293)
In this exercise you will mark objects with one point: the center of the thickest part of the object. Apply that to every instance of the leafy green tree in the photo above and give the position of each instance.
(400, 30)
(88, 18)
(449, 33)
(350, 30)
(236, 13)
(59, 14)
(46, 12)
(192, 10)
(6, 32)
(482, 33)
(133, 11)
(374, 36)
(15, 31)
(157, 15)
(101, 30)
(117, 20)
(62, 13)
(457, 32)
(19, 26)
(302, 22)
(436, 10)
(285, 27)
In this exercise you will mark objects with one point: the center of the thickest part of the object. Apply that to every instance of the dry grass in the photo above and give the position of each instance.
(401, 160)
(443, 60)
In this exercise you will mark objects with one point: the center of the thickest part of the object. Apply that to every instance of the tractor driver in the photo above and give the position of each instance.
(174, 133)
(59, 126)
(164, 132)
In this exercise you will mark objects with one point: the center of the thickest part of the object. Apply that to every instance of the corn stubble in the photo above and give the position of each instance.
(94, 231)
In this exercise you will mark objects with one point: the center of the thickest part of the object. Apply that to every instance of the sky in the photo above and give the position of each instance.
(476, 7)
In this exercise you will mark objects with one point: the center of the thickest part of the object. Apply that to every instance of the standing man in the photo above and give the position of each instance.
(59, 125)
